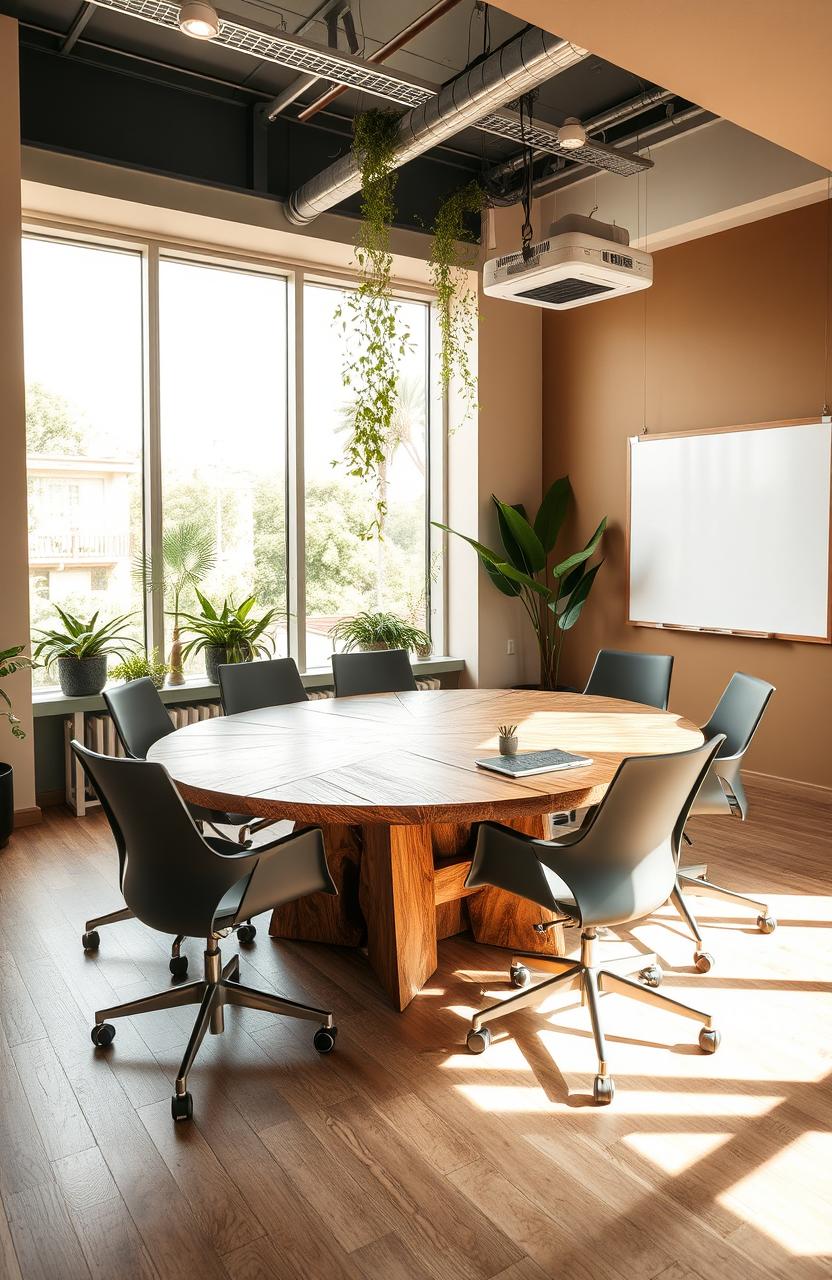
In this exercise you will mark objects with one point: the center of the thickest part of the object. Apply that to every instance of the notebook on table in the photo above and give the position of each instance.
(529, 762)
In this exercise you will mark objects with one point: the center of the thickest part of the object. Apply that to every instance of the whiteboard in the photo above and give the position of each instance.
(729, 530)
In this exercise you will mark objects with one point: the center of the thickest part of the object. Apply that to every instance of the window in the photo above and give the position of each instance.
(84, 428)
(344, 572)
(160, 408)
(223, 429)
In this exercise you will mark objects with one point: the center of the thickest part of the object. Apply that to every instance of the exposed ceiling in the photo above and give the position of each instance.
(107, 85)
(763, 65)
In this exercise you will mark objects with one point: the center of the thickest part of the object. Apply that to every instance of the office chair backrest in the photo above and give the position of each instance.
(623, 863)
(382, 671)
(635, 677)
(739, 712)
(248, 686)
(173, 879)
(139, 716)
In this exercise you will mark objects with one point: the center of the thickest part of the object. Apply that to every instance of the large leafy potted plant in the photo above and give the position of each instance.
(11, 660)
(80, 650)
(367, 631)
(552, 594)
(228, 634)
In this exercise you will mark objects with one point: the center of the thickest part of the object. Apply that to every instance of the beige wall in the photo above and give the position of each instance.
(735, 333)
(14, 581)
(761, 63)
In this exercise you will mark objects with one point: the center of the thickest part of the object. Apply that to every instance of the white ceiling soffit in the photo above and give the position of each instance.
(341, 68)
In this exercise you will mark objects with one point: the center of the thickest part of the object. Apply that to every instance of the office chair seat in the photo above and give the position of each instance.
(619, 866)
(177, 881)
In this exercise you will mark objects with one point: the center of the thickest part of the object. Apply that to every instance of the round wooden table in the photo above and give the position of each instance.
(391, 780)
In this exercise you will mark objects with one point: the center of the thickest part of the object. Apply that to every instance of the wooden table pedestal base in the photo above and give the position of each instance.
(403, 888)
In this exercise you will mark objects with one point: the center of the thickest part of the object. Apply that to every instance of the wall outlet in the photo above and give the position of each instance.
(510, 649)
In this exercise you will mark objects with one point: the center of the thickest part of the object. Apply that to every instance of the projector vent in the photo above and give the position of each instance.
(563, 291)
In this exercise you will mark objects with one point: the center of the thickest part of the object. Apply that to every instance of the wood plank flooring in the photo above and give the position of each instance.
(400, 1156)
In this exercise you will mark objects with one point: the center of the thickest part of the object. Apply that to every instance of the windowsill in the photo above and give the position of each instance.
(51, 702)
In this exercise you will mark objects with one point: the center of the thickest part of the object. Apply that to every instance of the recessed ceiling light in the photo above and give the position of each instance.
(572, 134)
(199, 20)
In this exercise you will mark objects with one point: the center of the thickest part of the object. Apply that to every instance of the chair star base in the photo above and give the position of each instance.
(592, 982)
(220, 987)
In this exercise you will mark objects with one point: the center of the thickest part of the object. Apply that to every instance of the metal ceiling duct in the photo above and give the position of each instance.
(508, 73)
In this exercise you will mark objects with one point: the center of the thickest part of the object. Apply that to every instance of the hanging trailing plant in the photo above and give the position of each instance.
(456, 300)
(375, 339)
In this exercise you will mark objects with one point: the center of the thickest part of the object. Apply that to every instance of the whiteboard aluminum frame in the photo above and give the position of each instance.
(647, 438)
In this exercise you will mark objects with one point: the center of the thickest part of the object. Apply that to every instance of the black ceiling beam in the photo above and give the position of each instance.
(77, 26)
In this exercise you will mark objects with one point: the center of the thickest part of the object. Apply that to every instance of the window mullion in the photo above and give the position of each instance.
(296, 526)
(153, 517)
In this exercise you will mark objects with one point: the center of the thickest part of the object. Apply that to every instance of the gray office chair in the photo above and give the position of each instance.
(382, 671)
(248, 686)
(177, 881)
(736, 716)
(140, 719)
(619, 866)
(635, 677)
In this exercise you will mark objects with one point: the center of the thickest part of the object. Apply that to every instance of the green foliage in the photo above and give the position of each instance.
(231, 628)
(188, 556)
(137, 665)
(12, 660)
(553, 596)
(84, 639)
(379, 630)
(51, 426)
(456, 300)
(374, 337)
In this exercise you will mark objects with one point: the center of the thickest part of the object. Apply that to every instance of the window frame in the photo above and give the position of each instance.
(152, 251)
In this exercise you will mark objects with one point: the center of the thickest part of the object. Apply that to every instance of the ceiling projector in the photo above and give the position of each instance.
(581, 261)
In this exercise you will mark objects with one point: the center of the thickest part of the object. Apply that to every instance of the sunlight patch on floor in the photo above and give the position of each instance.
(672, 1152)
(520, 1099)
(788, 1196)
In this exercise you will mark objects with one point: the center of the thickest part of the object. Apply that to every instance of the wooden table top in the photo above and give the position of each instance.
(409, 757)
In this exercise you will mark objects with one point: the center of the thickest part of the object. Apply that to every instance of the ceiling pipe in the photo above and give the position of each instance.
(408, 33)
(330, 8)
(595, 124)
(507, 74)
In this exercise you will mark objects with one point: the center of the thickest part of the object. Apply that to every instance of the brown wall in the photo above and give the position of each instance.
(14, 552)
(734, 334)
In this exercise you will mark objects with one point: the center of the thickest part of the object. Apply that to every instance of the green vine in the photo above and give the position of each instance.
(456, 300)
(375, 338)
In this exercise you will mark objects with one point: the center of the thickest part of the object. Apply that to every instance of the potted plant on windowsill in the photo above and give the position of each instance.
(80, 650)
(11, 660)
(552, 594)
(137, 665)
(368, 631)
(230, 634)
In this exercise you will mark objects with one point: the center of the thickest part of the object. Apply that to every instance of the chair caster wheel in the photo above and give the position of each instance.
(182, 1106)
(324, 1039)
(478, 1041)
(103, 1034)
(766, 924)
(519, 975)
(603, 1090)
(91, 941)
(246, 933)
(652, 975)
(179, 966)
(709, 1040)
(704, 961)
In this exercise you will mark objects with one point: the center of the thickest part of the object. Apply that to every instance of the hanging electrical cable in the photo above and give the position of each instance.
(527, 232)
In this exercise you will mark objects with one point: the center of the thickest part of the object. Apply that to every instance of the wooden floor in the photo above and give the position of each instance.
(401, 1156)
